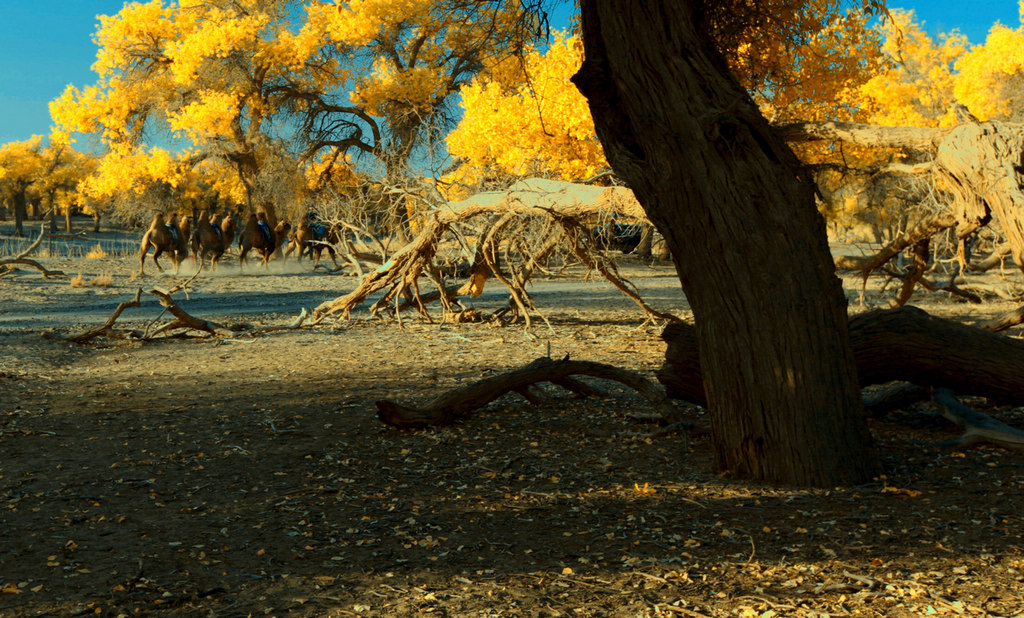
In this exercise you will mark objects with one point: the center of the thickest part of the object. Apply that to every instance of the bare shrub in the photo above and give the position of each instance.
(96, 252)
(104, 280)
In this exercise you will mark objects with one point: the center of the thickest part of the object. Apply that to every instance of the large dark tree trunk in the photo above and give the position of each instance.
(19, 212)
(738, 215)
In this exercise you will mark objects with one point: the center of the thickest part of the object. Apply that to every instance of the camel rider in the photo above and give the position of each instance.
(215, 224)
(261, 221)
(313, 219)
(172, 227)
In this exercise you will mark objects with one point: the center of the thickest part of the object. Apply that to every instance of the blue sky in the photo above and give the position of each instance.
(47, 44)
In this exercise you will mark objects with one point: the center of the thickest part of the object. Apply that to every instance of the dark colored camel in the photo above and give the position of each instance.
(257, 235)
(210, 239)
(315, 237)
(165, 237)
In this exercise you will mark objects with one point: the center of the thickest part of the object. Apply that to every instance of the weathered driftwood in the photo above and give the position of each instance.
(1004, 321)
(976, 163)
(979, 163)
(460, 402)
(893, 396)
(903, 344)
(184, 320)
(911, 138)
(921, 232)
(997, 258)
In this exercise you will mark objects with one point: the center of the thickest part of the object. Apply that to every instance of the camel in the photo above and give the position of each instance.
(165, 237)
(226, 224)
(211, 239)
(315, 237)
(257, 235)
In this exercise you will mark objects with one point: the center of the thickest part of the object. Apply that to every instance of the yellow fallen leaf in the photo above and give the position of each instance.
(901, 491)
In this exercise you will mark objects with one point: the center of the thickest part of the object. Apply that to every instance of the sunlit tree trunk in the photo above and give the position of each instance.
(749, 245)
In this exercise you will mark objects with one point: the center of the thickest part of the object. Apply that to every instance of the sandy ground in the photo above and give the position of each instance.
(249, 475)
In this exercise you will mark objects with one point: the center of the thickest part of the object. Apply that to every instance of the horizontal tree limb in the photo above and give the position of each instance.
(912, 138)
(459, 402)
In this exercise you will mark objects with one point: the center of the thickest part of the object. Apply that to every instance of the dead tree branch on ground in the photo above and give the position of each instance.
(460, 402)
(979, 427)
(22, 258)
(107, 328)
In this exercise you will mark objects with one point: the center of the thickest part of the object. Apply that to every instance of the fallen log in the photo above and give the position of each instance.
(460, 402)
(902, 344)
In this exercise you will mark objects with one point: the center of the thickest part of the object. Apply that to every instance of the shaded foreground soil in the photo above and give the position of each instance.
(249, 476)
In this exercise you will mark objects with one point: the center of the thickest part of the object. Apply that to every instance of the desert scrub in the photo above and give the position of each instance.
(104, 280)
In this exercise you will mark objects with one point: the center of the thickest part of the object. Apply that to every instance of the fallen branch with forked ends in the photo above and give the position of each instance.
(184, 320)
(460, 402)
(22, 258)
(107, 328)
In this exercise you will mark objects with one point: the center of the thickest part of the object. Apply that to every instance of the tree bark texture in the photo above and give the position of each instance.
(904, 344)
(983, 166)
(738, 214)
(917, 139)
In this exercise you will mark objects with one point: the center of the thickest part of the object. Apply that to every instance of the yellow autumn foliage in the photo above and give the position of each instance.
(526, 118)
(990, 77)
(917, 87)
(211, 115)
(926, 77)
(50, 175)
(252, 85)
(539, 126)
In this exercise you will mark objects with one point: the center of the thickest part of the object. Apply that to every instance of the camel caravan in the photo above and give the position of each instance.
(210, 237)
